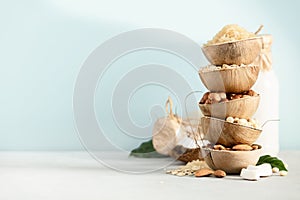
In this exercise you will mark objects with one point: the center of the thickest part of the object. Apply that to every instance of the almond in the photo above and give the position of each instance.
(242, 147)
(204, 172)
(222, 95)
(219, 173)
(219, 147)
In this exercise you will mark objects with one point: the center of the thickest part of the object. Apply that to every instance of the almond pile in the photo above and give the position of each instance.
(196, 168)
(207, 172)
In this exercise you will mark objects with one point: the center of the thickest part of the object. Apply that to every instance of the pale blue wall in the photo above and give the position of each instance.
(44, 43)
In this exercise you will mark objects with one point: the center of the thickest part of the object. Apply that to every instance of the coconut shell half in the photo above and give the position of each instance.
(236, 52)
(230, 80)
(243, 108)
(226, 133)
(232, 162)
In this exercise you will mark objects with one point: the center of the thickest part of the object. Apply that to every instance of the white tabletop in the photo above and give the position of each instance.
(76, 175)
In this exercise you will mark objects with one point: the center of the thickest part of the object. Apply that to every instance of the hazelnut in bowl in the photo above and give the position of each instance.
(231, 131)
(229, 78)
(222, 105)
(231, 161)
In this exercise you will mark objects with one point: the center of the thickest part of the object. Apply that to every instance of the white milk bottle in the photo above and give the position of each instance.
(268, 88)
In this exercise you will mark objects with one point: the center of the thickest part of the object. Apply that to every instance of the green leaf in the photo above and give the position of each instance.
(275, 162)
(146, 150)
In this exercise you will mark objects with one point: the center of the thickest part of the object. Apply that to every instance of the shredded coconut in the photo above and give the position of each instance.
(229, 33)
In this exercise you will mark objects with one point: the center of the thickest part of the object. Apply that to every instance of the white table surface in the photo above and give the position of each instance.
(76, 175)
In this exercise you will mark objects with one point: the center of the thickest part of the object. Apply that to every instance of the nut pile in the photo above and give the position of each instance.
(210, 68)
(243, 122)
(196, 168)
(218, 97)
(207, 172)
(189, 169)
(238, 147)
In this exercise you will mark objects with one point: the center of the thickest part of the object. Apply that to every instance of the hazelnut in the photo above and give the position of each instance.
(222, 95)
(215, 97)
(230, 119)
(252, 93)
(204, 98)
(237, 96)
(230, 96)
(243, 122)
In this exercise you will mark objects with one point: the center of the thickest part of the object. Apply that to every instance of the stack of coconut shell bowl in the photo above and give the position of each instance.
(229, 79)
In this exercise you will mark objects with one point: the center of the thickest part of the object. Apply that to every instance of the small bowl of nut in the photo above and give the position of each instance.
(232, 160)
(231, 131)
(229, 78)
(222, 105)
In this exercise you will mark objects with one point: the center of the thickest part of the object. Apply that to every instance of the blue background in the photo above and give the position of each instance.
(44, 43)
